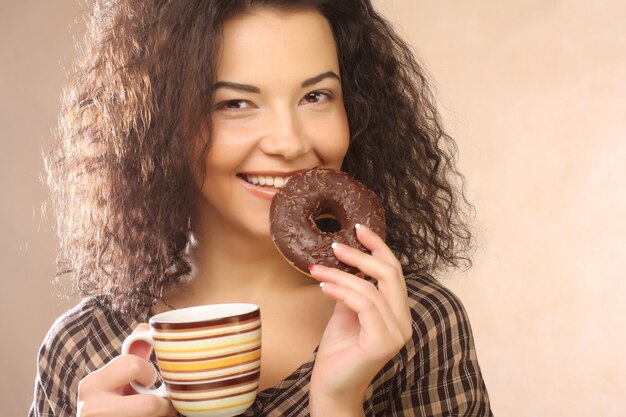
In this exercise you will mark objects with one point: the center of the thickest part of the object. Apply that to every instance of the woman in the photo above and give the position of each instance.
(177, 109)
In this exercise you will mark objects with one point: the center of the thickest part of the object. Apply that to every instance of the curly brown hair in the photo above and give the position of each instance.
(121, 172)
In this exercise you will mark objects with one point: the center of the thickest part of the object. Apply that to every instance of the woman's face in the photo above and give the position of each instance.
(277, 109)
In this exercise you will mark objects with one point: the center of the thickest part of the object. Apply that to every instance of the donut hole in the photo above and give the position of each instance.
(328, 219)
(327, 224)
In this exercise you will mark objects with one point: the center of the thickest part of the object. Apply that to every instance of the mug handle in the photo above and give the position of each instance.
(145, 336)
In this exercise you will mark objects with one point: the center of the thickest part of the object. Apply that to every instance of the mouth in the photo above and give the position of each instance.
(265, 184)
(267, 181)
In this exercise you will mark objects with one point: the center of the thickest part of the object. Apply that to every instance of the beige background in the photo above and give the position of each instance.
(535, 93)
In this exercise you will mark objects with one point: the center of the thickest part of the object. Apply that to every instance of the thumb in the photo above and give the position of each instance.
(141, 348)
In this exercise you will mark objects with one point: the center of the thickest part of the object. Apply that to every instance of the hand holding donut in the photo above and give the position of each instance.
(371, 323)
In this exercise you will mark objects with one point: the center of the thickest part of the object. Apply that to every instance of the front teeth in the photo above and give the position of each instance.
(267, 180)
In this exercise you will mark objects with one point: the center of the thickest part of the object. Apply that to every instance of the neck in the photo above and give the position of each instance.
(231, 267)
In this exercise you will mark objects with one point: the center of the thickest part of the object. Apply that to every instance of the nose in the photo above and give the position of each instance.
(285, 135)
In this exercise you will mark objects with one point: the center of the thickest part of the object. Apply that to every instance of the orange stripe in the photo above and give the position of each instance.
(211, 369)
(204, 353)
(210, 364)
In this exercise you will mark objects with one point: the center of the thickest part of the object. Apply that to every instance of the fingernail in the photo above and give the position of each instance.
(360, 226)
(339, 246)
(317, 268)
(327, 285)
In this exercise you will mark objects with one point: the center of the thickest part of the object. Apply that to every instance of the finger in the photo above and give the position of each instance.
(376, 245)
(332, 277)
(146, 405)
(141, 348)
(368, 264)
(141, 405)
(121, 370)
(390, 280)
(375, 335)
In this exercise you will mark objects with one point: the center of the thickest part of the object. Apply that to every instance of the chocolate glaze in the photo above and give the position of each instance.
(322, 192)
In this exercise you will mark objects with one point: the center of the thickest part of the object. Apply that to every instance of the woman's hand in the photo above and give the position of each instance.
(370, 324)
(107, 391)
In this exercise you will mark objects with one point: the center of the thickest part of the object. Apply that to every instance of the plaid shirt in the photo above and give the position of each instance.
(435, 374)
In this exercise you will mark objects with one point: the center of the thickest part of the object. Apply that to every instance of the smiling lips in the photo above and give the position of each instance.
(265, 185)
(266, 180)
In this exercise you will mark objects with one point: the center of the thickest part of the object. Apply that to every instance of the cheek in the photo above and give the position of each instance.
(335, 139)
(336, 150)
(227, 149)
(232, 140)
(219, 165)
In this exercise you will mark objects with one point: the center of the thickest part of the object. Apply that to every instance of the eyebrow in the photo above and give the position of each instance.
(256, 90)
(236, 86)
(314, 80)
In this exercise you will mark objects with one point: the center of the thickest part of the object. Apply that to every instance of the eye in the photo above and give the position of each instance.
(234, 105)
(316, 97)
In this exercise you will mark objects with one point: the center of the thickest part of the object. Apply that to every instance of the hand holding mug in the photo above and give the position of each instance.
(107, 391)
(208, 357)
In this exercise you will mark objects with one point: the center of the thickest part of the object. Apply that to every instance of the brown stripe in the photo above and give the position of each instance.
(206, 323)
(231, 382)
(215, 336)
(208, 358)
(221, 397)
(191, 391)
(202, 379)
(197, 329)
(196, 380)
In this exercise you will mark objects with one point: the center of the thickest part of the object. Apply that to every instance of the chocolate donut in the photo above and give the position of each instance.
(318, 207)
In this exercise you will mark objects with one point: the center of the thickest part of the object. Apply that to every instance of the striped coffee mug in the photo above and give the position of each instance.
(208, 356)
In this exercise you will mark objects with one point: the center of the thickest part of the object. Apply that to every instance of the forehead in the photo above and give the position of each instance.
(266, 42)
